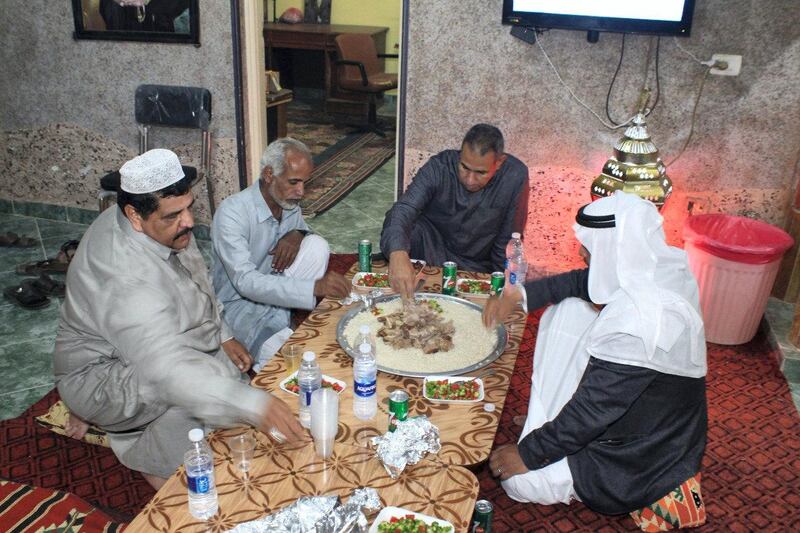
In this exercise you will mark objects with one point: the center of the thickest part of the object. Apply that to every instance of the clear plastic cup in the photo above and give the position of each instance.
(242, 448)
(292, 354)
(324, 420)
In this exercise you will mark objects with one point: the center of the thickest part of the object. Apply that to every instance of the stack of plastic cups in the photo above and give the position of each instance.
(324, 420)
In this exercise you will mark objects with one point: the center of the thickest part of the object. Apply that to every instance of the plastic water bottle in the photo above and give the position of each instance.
(364, 335)
(309, 379)
(199, 463)
(365, 383)
(516, 264)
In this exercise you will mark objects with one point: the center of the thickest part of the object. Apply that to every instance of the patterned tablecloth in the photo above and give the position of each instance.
(467, 431)
(280, 474)
(437, 486)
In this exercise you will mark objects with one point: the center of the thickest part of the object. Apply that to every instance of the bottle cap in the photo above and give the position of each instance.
(309, 356)
(488, 407)
(196, 434)
(365, 348)
(515, 235)
(364, 329)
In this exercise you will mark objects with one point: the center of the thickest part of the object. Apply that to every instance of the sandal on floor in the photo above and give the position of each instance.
(26, 295)
(49, 286)
(58, 264)
(12, 239)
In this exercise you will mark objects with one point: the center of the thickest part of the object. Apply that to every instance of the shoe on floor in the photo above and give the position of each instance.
(57, 265)
(26, 295)
(12, 239)
(49, 286)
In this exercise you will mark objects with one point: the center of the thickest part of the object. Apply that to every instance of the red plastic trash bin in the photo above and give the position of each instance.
(735, 260)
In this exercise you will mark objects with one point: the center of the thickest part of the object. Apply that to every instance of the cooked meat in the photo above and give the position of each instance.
(417, 325)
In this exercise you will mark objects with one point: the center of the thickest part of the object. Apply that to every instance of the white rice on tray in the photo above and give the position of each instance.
(472, 342)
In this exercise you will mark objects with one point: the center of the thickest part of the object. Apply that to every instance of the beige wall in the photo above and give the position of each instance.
(464, 68)
(66, 106)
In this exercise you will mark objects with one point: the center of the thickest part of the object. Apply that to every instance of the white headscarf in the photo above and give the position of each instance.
(651, 316)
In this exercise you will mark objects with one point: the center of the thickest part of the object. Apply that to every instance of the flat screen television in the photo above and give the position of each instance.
(656, 17)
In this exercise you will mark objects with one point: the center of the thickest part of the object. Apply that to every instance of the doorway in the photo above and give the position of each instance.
(344, 213)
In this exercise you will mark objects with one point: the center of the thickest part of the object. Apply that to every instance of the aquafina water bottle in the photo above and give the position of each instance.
(516, 264)
(309, 379)
(365, 383)
(199, 464)
(365, 335)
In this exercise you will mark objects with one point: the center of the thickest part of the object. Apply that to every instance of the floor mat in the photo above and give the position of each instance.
(343, 159)
(751, 469)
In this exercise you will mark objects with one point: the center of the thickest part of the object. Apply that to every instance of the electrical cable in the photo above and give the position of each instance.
(561, 80)
(694, 115)
(687, 52)
(613, 79)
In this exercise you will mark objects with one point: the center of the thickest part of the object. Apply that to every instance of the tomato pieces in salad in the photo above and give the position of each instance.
(411, 524)
(445, 389)
(474, 286)
(293, 387)
(379, 281)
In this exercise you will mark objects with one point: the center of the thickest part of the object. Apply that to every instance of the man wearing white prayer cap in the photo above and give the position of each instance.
(617, 415)
(142, 351)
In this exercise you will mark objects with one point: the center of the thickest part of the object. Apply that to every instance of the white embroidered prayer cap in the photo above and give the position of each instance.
(150, 172)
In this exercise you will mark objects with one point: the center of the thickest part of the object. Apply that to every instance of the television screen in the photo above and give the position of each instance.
(660, 17)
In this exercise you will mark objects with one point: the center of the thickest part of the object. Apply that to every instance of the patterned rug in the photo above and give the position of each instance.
(751, 475)
(343, 159)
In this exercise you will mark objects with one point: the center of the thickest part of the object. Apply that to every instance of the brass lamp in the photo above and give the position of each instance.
(635, 167)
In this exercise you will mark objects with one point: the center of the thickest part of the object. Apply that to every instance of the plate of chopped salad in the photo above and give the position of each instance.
(479, 289)
(453, 389)
(399, 520)
(369, 281)
(291, 386)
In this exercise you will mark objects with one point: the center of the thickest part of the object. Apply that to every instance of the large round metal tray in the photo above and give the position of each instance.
(499, 348)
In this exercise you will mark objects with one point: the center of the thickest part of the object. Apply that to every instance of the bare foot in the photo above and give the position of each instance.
(519, 420)
(75, 427)
(155, 481)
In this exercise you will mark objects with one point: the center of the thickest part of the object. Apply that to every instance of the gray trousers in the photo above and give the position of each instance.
(146, 434)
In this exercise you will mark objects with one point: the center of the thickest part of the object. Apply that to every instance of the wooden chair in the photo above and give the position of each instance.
(360, 71)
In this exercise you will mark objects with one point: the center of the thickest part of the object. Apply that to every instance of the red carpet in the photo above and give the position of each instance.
(751, 477)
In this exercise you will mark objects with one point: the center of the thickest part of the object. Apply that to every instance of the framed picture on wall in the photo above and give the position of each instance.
(163, 21)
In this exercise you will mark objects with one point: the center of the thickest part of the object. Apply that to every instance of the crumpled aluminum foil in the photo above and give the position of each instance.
(407, 444)
(318, 514)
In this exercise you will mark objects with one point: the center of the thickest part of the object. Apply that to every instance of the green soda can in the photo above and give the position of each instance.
(449, 274)
(365, 256)
(482, 517)
(498, 280)
(398, 408)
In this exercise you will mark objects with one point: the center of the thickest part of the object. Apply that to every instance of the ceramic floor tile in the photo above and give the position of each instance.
(27, 364)
(13, 404)
(22, 226)
(20, 324)
(342, 218)
(35, 209)
(52, 229)
(81, 216)
(10, 257)
(347, 242)
(370, 200)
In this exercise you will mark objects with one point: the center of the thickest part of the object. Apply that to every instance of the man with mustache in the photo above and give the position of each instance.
(266, 261)
(142, 351)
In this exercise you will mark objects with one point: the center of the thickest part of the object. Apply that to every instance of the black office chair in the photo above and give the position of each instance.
(174, 107)
(360, 71)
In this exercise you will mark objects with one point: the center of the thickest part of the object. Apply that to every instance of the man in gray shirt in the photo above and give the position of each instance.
(142, 351)
(266, 261)
(462, 206)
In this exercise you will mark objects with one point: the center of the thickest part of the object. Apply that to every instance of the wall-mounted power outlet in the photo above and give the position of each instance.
(733, 64)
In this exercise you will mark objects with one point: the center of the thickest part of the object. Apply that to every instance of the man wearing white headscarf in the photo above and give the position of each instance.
(617, 414)
(142, 351)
